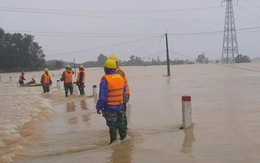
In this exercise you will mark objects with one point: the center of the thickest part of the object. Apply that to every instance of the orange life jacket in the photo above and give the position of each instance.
(116, 86)
(21, 77)
(84, 76)
(68, 77)
(47, 79)
(125, 78)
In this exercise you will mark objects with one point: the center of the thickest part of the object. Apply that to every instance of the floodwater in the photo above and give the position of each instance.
(39, 128)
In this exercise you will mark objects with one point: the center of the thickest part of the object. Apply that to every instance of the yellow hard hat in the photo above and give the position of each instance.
(81, 66)
(114, 57)
(68, 66)
(110, 63)
(46, 70)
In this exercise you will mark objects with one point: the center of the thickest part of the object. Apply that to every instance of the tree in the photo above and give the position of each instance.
(1, 39)
(202, 59)
(242, 59)
(101, 59)
(20, 51)
(58, 64)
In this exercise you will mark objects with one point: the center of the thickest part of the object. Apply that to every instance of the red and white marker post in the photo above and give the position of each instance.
(75, 88)
(94, 90)
(186, 112)
(58, 84)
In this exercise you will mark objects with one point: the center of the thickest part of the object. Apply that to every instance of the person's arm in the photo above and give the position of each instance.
(101, 103)
(62, 77)
(42, 79)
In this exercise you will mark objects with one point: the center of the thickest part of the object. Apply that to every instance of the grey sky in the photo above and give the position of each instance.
(82, 29)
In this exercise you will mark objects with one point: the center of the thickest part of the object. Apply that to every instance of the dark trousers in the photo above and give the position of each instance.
(115, 121)
(46, 88)
(68, 87)
(81, 89)
(125, 117)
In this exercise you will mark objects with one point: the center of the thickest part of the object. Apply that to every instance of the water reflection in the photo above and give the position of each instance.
(75, 117)
(83, 105)
(71, 106)
(86, 116)
(169, 79)
(122, 152)
(128, 112)
(73, 120)
(188, 140)
(95, 98)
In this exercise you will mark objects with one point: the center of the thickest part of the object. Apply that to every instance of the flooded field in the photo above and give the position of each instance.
(37, 127)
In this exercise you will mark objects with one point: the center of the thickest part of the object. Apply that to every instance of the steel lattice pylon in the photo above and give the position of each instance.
(230, 47)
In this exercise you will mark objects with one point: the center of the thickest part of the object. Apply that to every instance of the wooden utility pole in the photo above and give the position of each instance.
(167, 56)
(75, 67)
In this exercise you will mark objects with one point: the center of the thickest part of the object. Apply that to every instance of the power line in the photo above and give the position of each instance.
(182, 55)
(102, 47)
(249, 11)
(101, 11)
(225, 65)
(154, 54)
(253, 4)
(82, 34)
(141, 47)
(210, 32)
(78, 34)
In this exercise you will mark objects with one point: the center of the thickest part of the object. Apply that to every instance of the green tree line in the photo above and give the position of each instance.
(20, 52)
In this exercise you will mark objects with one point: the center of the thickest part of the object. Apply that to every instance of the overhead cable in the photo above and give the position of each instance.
(102, 47)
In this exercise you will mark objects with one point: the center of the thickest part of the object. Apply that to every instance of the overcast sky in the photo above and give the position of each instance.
(82, 29)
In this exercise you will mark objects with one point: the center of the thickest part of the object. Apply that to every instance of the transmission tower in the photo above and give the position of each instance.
(230, 47)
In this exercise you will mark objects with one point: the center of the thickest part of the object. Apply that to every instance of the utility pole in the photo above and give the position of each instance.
(230, 47)
(75, 67)
(167, 56)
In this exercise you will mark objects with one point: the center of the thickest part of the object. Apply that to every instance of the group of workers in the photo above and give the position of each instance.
(68, 83)
(21, 80)
(114, 93)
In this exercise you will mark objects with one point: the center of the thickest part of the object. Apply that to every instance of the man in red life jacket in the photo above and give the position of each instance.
(81, 77)
(121, 72)
(110, 102)
(67, 78)
(46, 81)
(21, 78)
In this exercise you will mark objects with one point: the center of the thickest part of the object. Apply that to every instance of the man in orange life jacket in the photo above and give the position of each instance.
(21, 78)
(46, 81)
(81, 77)
(110, 102)
(67, 78)
(121, 72)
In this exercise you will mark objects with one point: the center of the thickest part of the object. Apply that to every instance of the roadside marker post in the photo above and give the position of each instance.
(186, 112)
